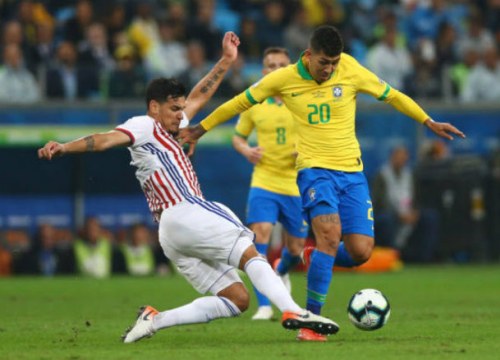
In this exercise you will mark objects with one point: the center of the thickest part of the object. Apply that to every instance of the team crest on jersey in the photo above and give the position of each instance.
(312, 194)
(337, 91)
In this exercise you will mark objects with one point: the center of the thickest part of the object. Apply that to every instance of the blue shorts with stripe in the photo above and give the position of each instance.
(326, 191)
(268, 206)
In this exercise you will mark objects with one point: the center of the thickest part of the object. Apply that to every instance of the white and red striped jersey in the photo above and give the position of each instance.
(163, 169)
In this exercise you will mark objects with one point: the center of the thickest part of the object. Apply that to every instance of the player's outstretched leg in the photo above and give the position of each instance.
(143, 326)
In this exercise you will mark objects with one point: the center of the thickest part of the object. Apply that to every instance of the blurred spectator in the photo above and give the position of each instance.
(270, 31)
(250, 46)
(297, 33)
(202, 28)
(54, 257)
(69, 81)
(390, 62)
(19, 246)
(176, 12)
(483, 81)
(18, 84)
(425, 80)
(115, 23)
(197, 64)
(138, 254)
(31, 14)
(477, 36)
(363, 19)
(143, 30)
(436, 151)
(94, 51)
(43, 52)
(128, 80)
(167, 57)
(399, 223)
(12, 34)
(424, 21)
(93, 250)
(74, 28)
(460, 71)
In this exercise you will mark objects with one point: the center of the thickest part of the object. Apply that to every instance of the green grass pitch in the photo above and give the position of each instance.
(438, 312)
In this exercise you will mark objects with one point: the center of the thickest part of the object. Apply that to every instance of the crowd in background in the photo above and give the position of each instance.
(100, 50)
(92, 251)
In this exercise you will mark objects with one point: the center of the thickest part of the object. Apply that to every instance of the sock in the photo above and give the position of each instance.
(343, 257)
(261, 299)
(201, 310)
(319, 277)
(268, 283)
(287, 262)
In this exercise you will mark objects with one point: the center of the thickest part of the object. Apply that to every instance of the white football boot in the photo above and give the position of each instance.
(143, 326)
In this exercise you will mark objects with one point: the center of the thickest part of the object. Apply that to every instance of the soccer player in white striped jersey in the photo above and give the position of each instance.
(204, 239)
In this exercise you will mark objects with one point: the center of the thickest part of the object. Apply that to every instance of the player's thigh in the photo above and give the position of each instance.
(355, 206)
(207, 231)
(319, 193)
(290, 216)
(262, 206)
(204, 276)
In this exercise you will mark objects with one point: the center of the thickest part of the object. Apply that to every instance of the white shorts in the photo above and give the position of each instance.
(205, 240)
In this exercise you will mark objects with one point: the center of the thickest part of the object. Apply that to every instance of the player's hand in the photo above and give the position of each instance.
(443, 129)
(190, 135)
(230, 44)
(254, 154)
(50, 150)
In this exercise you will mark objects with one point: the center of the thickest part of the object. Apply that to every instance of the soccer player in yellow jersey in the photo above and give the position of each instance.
(320, 90)
(274, 195)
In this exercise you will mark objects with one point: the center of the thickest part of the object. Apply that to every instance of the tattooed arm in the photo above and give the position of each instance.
(206, 87)
(94, 142)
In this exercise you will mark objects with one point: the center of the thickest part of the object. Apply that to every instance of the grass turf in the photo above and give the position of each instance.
(438, 312)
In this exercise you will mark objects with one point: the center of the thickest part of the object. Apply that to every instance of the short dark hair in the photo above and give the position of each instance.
(327, 39)
(162, 88)
(276, 50)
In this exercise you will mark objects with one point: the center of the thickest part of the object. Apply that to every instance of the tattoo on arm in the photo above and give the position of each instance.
(331, 218)
(212, 80)
(90, 142)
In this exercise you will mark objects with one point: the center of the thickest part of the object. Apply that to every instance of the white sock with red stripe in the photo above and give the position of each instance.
(201, 310)
(268, 283)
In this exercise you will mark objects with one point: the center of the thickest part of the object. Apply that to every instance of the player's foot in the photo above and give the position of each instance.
(143, 326)
(263, 313)
(309, 335)
(308, 320)
(305, 255)
(285, 277)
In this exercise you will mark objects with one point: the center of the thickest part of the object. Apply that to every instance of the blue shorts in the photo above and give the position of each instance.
(336, 192)
(267, 206)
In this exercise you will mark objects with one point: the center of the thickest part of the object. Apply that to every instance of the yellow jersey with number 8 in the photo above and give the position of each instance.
(273, 124)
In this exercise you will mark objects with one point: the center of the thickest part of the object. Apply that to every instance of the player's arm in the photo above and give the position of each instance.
(266, 87)
(90, 143)
(206, 87)
(409, 107)
(369, 83)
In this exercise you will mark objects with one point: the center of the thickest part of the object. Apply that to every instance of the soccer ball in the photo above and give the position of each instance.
(369, 309)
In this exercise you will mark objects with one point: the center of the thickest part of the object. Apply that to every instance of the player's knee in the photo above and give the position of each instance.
(241, 299)
(362, 252)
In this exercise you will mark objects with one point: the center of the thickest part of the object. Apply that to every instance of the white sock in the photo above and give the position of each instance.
(268, 283)
(201, 310)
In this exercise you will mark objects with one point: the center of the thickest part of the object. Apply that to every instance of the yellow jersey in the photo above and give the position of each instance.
(276, 134)
(324, 114)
